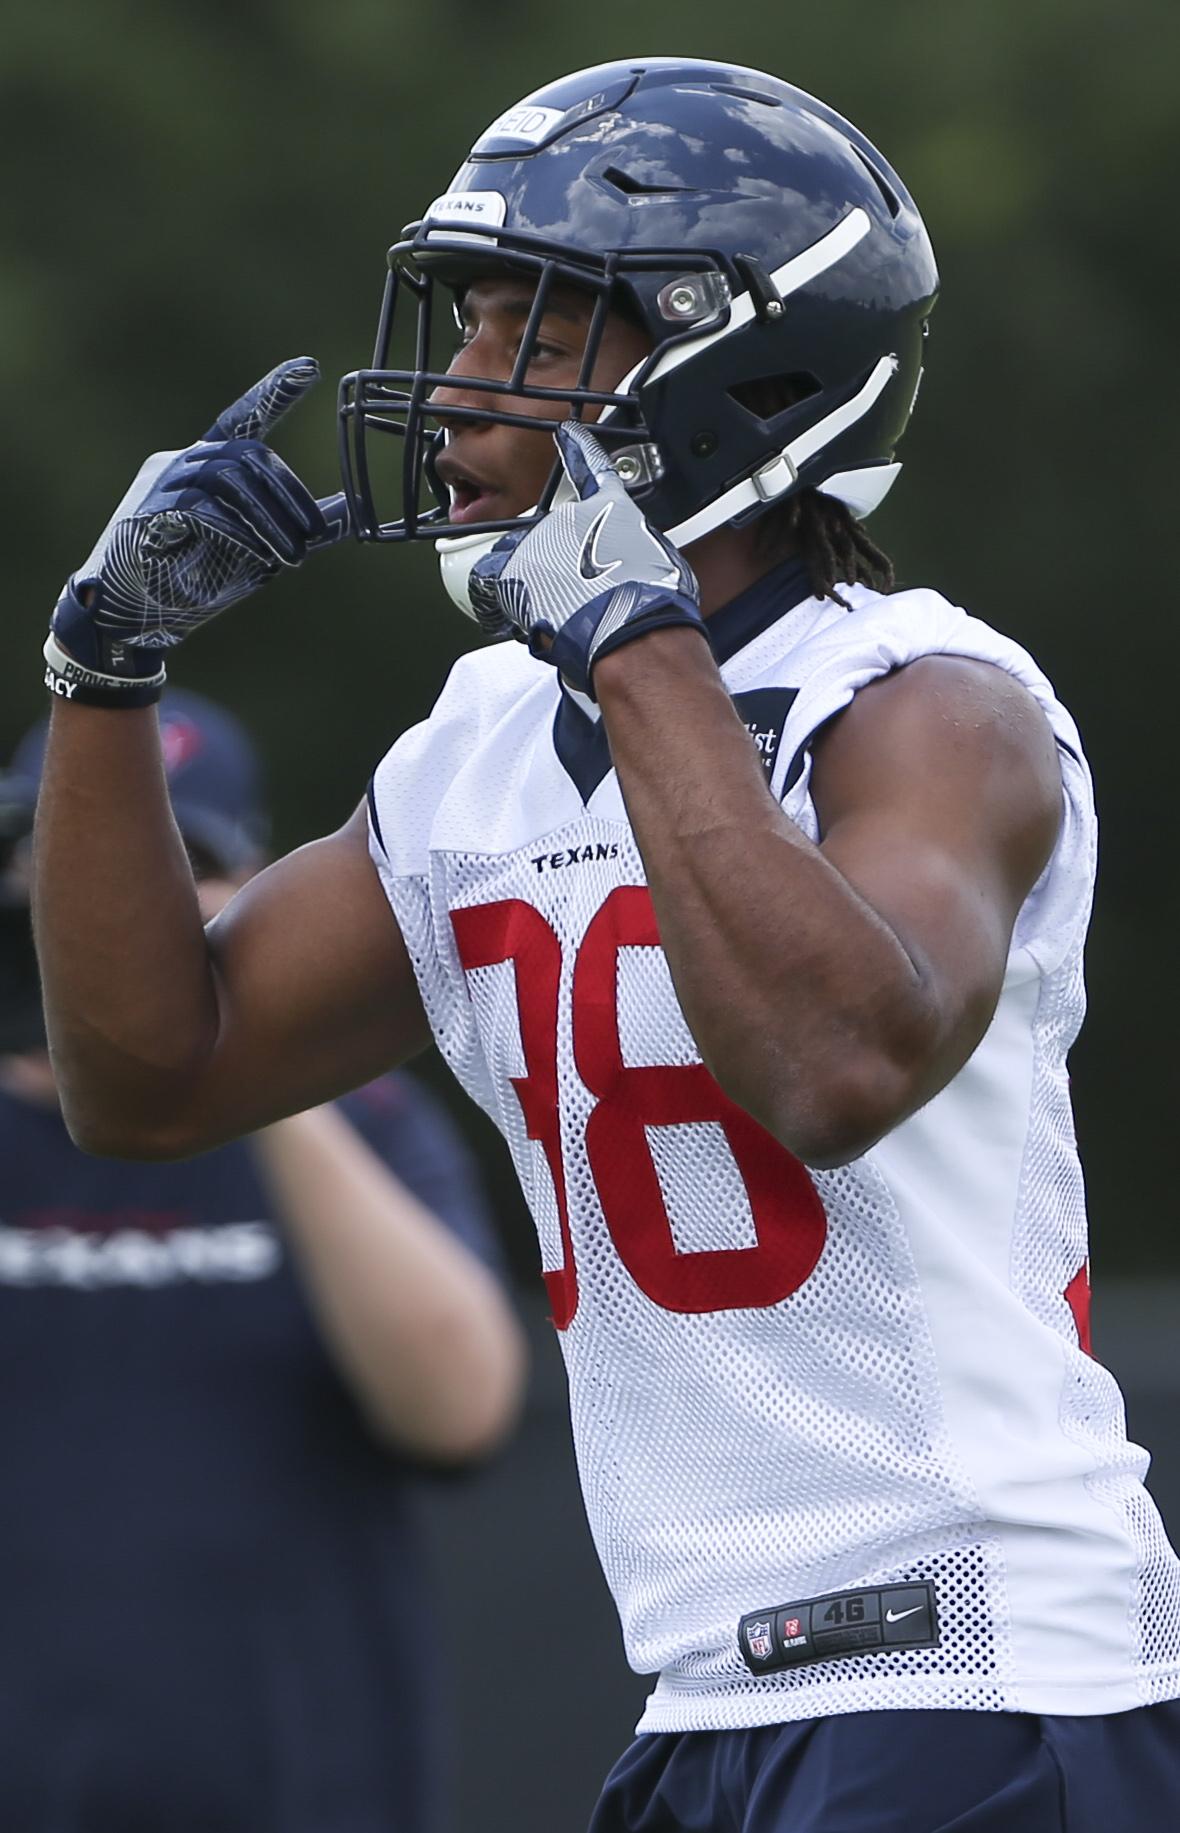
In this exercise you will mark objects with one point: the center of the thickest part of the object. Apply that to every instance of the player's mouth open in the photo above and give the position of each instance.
(471, 499)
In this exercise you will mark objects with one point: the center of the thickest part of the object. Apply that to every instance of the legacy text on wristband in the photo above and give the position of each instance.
(71, 680)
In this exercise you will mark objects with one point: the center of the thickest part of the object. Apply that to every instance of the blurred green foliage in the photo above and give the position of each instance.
(194, 189)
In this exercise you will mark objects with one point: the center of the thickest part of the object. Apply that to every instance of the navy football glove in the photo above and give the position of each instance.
(591, 575)
(197, 530)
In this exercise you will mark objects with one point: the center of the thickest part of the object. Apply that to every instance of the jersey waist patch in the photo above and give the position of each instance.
(841, 1623)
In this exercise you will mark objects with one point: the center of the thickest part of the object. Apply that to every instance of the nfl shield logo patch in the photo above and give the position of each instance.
(758, 1640)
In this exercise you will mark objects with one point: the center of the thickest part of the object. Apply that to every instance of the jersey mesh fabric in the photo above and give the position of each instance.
(740, 1456)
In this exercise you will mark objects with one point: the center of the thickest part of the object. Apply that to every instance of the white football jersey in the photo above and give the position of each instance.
(846, 1410)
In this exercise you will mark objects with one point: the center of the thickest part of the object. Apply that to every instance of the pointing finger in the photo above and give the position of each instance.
(253, 414)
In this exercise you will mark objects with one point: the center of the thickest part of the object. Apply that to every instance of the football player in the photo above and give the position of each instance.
(747, 895)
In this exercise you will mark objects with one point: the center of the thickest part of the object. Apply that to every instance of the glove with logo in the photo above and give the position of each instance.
(197, 530)
(591, 575)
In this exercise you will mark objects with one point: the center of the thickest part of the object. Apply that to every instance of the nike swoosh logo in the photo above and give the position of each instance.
(895, 1616)
(588, 566)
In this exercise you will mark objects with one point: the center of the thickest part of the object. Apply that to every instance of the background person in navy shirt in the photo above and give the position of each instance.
(217, 1380)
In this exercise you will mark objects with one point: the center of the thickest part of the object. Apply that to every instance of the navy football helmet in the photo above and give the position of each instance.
(777, 261)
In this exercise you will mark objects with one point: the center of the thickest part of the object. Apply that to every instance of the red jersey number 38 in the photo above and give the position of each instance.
(788, 1216)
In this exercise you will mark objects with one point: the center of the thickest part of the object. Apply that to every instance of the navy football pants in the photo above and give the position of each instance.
(905, 1772)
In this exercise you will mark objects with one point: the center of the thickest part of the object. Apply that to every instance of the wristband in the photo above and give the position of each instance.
(678, 612)
(609, 621)
(70, 680)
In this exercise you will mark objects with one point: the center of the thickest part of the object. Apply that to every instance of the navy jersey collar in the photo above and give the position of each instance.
(757, 608)
(580, 740)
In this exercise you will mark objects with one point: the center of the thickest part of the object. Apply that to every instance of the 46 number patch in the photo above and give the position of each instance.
(842, 1623)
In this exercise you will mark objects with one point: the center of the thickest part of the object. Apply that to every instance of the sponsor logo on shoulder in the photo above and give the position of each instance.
(765, 742)
(763, 711)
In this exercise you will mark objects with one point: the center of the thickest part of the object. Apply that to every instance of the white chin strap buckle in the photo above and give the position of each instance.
(775, 478)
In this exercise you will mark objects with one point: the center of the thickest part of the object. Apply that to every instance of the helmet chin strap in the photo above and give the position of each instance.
(862, 490)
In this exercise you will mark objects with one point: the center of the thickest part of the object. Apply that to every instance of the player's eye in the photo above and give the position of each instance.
(544, 350)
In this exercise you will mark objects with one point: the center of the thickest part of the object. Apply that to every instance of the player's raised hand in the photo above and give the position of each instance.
(589, 576)
(198, 529)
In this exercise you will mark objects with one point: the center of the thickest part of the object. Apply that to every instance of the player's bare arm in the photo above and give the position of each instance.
(834, 989)
(167, 1038)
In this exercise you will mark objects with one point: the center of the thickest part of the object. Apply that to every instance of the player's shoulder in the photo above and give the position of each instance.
(838, 649)
(899, 626)
(482, 688)
(945, 726)
(498, 667)
(820, 632)
(887, 631)
(485, 684)
(494, 703)
(819, 656)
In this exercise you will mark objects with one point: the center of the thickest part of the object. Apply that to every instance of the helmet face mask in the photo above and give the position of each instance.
(391, 400)
(776, 262)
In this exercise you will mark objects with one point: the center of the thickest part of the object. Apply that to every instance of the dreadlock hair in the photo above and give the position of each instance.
(834, 546)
